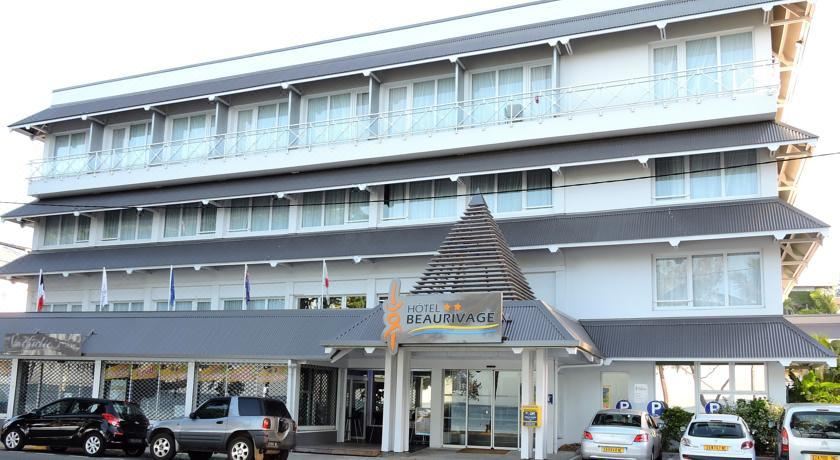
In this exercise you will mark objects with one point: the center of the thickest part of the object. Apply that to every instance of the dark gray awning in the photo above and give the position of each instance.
(654, 224)
(730, 137)
(736, 337)
(441, 49)
(528, 323)
(271, 335)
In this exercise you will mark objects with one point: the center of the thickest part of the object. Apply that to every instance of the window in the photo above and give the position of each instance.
(127, 224)
(159, 389)
(190, 136)
(335, 302)
(129, 144)
(335, 207)
(422, 106)
(512, 192)
(665, 66)
(259, 214)
(215, 408)
(66, 229)
(692, 385)
(183, 305)
(56, 408)
(265, 380)
(120, 306)
(62, 307)
(500, 95)
(269, 303)
(263, 128)
(814, 424)
(69, 145)
(189, 220)
(328, 118)
(421, 200)
(318, 392)
(710, 175)
(614, 388)
(709, 280)
(675, 385)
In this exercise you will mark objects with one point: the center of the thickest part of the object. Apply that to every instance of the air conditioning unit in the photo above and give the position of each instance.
(513, 111)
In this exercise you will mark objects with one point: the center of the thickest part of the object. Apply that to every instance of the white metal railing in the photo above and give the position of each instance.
(661, 89)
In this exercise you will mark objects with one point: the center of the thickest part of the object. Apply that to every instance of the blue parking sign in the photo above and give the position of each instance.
(656, 408)
(712, 407)
(623, 404)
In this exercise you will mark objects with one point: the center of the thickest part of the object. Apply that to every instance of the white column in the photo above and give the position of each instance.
(341, 402)
(10, 404)
(525, 443)
(550, 411)
(190, 390)
(401, 397)
(436, 428)
(541, 399)
(293, 388)
(388, 403)
(97, 379)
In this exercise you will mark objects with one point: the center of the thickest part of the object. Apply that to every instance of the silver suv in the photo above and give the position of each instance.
(240, 426)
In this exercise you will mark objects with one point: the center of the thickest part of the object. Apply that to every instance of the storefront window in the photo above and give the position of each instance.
(691, 385)
(317, 396)
(159, 388)
(224, 379)
(614, 387)
(675, 385)
(42, 382)
(5, 380)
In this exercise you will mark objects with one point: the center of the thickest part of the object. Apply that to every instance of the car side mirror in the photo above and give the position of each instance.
(192, 416)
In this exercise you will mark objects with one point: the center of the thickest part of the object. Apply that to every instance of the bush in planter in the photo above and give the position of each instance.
(758, 414)
(675, 420)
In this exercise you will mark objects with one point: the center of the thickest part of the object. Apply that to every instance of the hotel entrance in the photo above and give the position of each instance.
(481, 408)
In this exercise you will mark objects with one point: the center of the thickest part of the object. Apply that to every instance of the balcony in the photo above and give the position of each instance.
(548, 115)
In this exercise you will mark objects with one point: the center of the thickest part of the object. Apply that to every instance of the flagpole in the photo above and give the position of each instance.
(171, 288)
(323, 282)
(245, 289)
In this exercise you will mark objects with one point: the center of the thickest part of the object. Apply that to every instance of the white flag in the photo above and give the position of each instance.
(103, 291)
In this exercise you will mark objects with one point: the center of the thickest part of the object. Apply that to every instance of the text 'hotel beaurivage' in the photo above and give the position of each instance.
(624, 177)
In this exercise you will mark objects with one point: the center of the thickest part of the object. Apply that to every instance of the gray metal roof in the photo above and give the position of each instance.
(271, 335)
(764, 216)
(526, 323)
(824, 325)
(729, 137)
(737, 337)
(440, 49)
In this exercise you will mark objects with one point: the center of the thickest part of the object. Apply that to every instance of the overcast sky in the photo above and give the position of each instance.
(58, 43)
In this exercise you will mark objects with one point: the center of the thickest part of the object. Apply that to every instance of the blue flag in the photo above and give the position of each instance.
(247, 287)
(171, 288)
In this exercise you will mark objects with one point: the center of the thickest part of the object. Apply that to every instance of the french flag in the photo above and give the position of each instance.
(42, 290)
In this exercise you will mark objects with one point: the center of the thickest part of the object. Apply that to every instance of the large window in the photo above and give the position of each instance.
(516, 191)
(710, 175)
(263, 303)
(251, 379)
(329, 118)
(127, 225)
(136, 305)
(66, 229)
(189, 220)
(258, 214)
(614, 388)
(183, 305)
(422, 106)
(159, 388)
(190, 137)
(709, 280)
(41, 382)
(318, 388)
(692, 385)
(262, 128)
(129, 144)
(69, 145)
(334, 301)
(498, 95)
(421, 200)
(335, 207)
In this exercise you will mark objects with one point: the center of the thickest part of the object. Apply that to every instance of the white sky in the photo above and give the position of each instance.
(57, 43)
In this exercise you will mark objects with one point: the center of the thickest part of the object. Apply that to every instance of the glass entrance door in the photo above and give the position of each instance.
(355, 425)
(481, 408)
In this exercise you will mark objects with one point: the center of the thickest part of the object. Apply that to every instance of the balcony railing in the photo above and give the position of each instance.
(569, 102)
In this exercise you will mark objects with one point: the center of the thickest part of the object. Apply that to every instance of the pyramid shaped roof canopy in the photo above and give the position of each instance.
(474, 257)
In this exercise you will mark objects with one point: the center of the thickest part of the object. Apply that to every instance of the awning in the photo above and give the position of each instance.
(643, 225)
(212, 335)
(601, 22)
(642, 146)
(739, 338)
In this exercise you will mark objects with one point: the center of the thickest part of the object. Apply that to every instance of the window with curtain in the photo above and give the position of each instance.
(700, 62)
(664, 66)
(710, 175)
(736, 52)
(69, 145)
(447, 111)
(482, 107)
(127, 225)
(189, 136)
(709, 280)
(513, 192)
(129, 144)
(541, 97)
(66, 229)
(335, 207)
(364, 125)
(397, 105)
(183, 305)
(329, 118)
(258, 214)
(712, 65)
(263, 128)
(189, 220)
(421, 200)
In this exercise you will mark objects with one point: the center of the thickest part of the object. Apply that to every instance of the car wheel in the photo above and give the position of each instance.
(57, 449)
(134, 451)
(93, 444)
(13, 440)
(241, 448)
(162, 446)
(200, 455)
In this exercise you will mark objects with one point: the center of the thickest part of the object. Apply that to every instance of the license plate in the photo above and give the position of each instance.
(824, 457)
(613, 450)
(716, 448)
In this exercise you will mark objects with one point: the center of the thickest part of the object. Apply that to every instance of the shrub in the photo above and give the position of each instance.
(758, 414)
(675, 420)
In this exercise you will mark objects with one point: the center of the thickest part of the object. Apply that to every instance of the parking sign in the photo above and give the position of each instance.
(656, 408)
(712, 407)
(623, 404)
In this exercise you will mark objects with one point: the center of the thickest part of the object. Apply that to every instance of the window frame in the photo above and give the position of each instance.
(76, 241)
(264, 299)
(524, 208)
(272, 199)
(731, 384)
(200, 214)
(657, 304)
(342, 306)
(350, 119)
(385, 100)
(723, 196)
(70, 307)
(233, 121)
(406, 203)
(210, 123)
(136, 237)
(323, 207)
(53, 140)
(109, 307)
(193, 304)
(526, 75)
(108, 138)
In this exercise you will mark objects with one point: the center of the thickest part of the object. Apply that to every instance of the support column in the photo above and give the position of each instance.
(541, 399)
(401, 399)
(549, 411)
(525, 441)
(13, 380)
(97, 379)
(294, 117)
(341, 402)
(436, 427)
(388, 403)
(293, 389)
(189, 403)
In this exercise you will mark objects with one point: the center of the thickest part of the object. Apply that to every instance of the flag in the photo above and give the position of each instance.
(247, 287)
(325, 285)
(103, 290)
(42, 290)
(171, 288)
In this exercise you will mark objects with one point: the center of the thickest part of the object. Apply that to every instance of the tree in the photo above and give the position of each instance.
(816, 302)
(817, 385)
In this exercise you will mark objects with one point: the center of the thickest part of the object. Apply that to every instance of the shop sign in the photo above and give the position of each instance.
(43, 344)
(441, 318)
(531, 416)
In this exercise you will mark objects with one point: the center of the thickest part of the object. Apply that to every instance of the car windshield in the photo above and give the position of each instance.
(618, 420)
(125, 410)
(716, 429)
(817, 424)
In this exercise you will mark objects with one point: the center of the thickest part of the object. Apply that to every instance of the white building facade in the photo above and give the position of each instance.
(633, 154)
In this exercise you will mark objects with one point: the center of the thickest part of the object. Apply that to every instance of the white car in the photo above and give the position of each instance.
(809, 432)
(717, 436)
(621, 434)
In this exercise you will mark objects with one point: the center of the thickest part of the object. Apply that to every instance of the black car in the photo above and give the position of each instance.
(89, 423)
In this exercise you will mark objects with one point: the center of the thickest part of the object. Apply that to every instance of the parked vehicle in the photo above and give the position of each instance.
(809, 432)
(238, 425)
(622, 433)
(717, 436)
(89, 423)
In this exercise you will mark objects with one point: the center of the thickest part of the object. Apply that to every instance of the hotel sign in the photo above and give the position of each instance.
(42, 344)
(441, 318)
